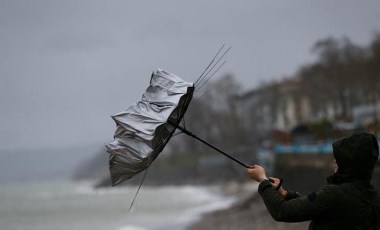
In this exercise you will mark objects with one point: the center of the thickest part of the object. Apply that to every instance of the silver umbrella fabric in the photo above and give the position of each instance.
(143, 129)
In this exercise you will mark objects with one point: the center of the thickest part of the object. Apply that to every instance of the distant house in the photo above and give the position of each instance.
(276, 106)
(365, 115)
(287, 105)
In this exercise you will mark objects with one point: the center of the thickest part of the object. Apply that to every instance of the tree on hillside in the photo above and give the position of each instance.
(336, 80)
(373, 81)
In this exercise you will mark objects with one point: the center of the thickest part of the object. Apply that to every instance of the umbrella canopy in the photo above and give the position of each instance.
(143, 129)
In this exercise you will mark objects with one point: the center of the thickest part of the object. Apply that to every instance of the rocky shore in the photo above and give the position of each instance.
(248, 212)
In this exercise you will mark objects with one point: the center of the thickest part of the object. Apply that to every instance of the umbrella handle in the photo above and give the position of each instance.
(210, 145)
(217, 149)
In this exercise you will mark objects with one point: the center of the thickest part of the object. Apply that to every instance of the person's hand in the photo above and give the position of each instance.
(275, 182)
(256, 173)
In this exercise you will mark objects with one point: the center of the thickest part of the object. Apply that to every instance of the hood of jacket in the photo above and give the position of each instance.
(356, 156)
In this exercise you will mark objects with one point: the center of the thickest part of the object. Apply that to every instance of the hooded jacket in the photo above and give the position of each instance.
(348, 201)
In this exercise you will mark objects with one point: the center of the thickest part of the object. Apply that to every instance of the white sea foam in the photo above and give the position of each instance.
(210, 202)
(130, 227)
(179, 206)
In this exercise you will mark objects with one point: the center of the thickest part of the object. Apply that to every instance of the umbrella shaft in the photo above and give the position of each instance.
(210, 145)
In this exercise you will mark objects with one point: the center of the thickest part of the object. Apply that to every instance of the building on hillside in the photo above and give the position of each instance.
(256, 109)
(366, 115)
(276, 106)
(293, 107)
(283, 106)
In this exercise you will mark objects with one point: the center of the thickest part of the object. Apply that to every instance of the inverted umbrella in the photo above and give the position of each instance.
(143, 129)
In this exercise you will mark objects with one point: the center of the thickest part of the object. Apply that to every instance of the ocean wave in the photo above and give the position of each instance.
(130, 227)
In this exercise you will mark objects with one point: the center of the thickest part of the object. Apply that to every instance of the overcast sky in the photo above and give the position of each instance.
(66, 66)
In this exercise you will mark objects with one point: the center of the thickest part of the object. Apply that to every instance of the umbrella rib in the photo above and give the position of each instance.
(187, 102)
(183, 110)
(176, 134)
(183, 121)
(205, 93)
(200, 87)
(134, 198)
(217, 62)
(212, 61)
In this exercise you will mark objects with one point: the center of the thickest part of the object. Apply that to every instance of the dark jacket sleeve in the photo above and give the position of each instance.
(376, 212)
(303, 208)
(292, 195)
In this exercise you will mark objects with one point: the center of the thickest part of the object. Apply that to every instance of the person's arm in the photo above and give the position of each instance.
(298, 209)
(294, 210)
(258, 173)
(285, 194)
(291, 195)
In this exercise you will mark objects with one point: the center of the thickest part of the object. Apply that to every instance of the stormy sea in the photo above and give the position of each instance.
(78, 206)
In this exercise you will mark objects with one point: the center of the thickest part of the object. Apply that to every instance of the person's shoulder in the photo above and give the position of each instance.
(348, 192)
(329, 193)
(332, 188)
(376, 200)
(344, 187)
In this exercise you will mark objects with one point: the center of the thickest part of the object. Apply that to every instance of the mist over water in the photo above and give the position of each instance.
(40, 165)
